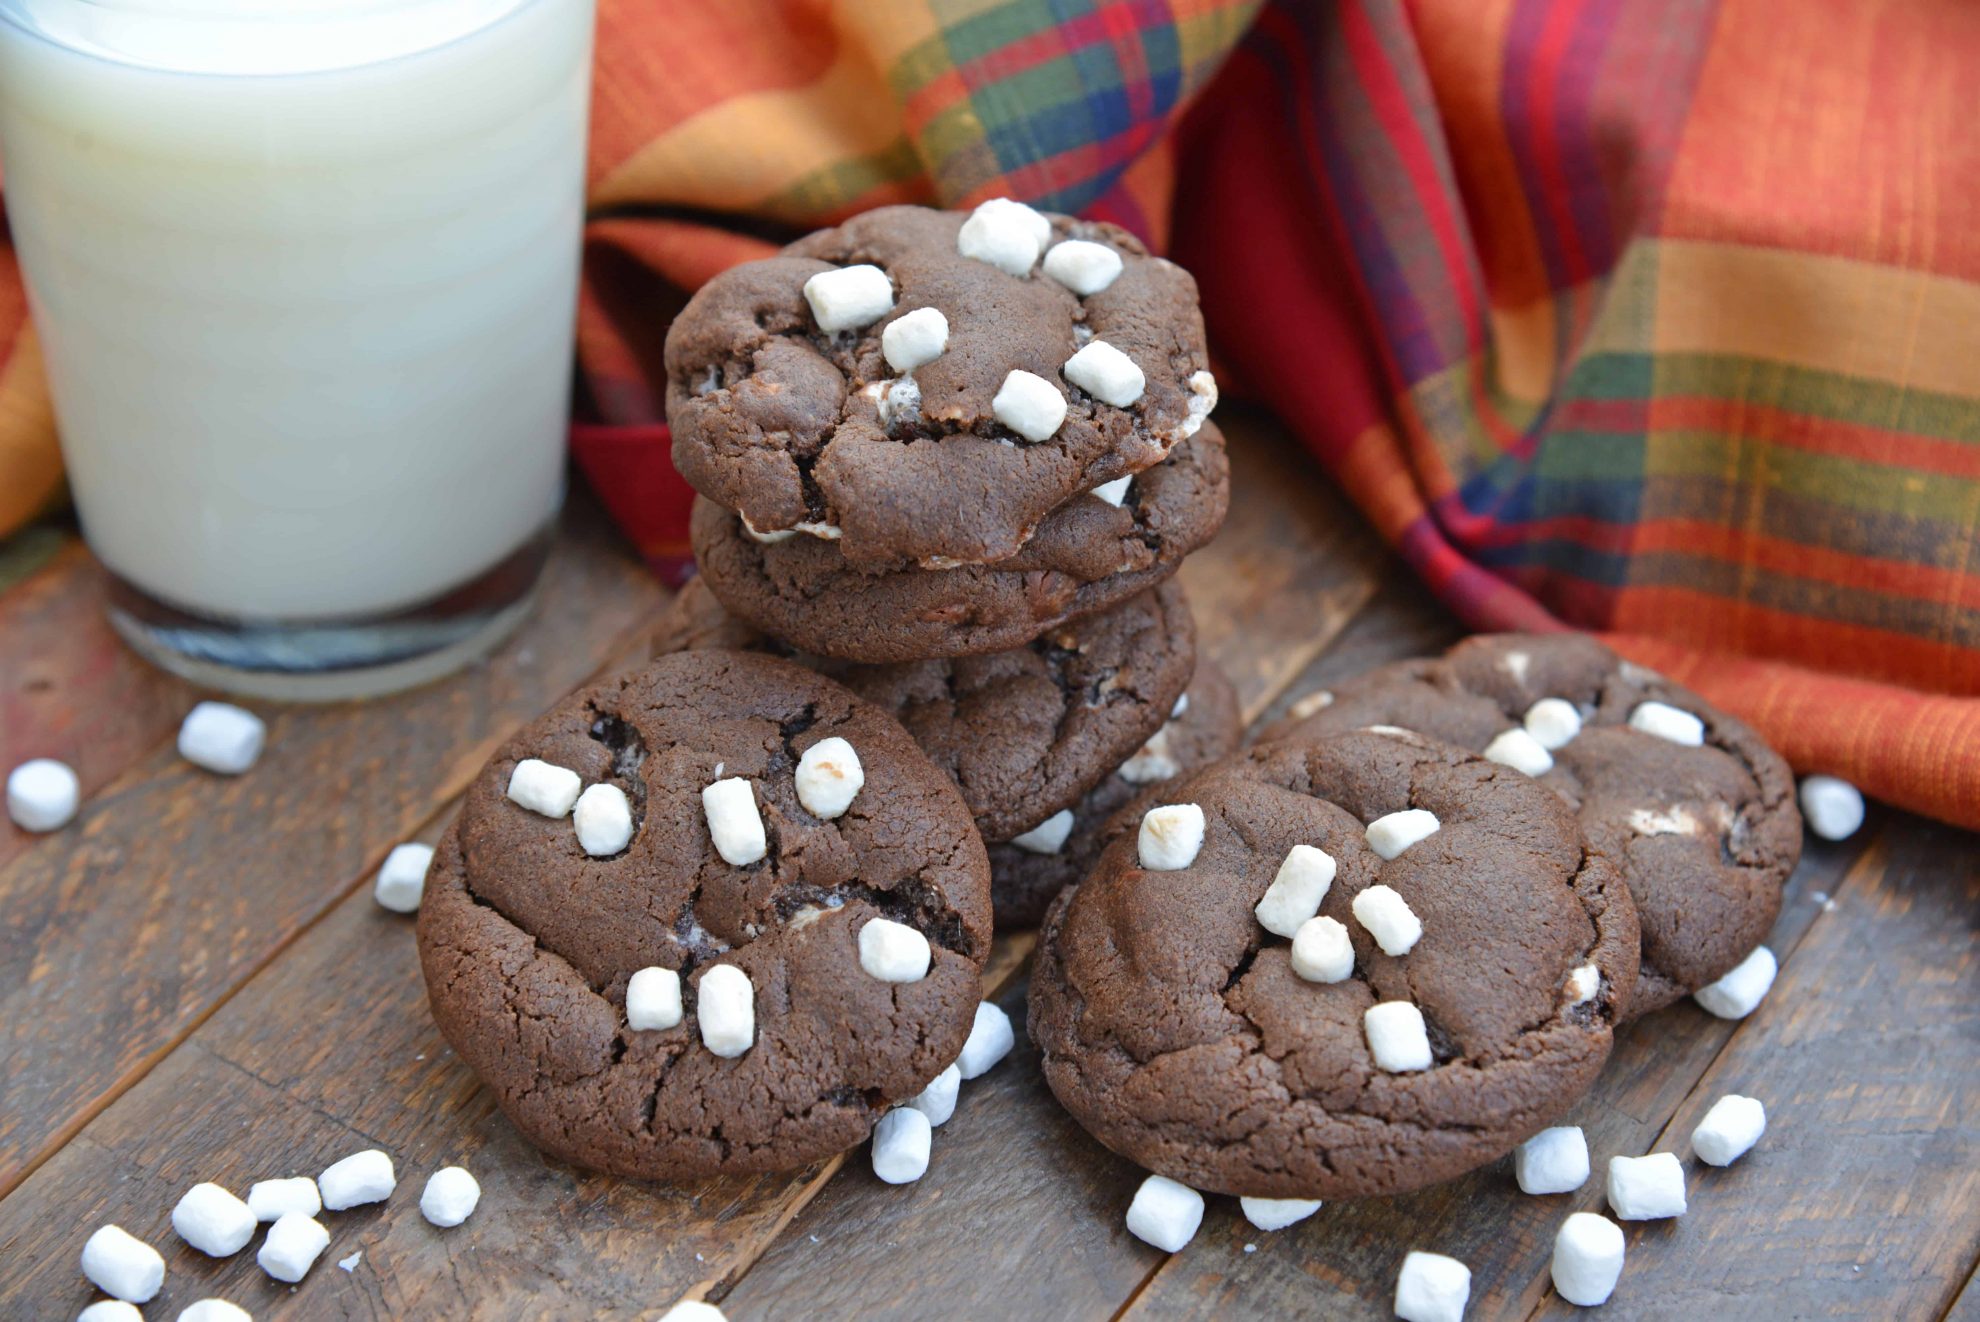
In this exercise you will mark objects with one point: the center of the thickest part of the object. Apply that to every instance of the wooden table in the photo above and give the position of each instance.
(198, 986)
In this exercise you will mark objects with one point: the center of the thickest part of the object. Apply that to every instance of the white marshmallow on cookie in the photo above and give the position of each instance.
(1553, 723)
(1322, 951)
(1388, 836)
(1171, 836)
(1296, 891)
(1397, 1037)
(1646, 1188)
(363, 1177)
(1165, 1213)
(990, 1040)
(1583, 981)
(893, 952)
(222, 738)
(43, 794)
(1432, 1288)
(293, 1245)
(213, 1221)
(1277, 1213)
(604, 821)
(1833, 808)
(1668, 722)
(915, 338)
(653, 999)
(122, 1265)
(849, 297)
(1518, 749)
(1202, 401)
(1029, 405)
(1083, 266)
(1049, 836)
(1105, 373)
(829, 777)
(725, 1005)
(544, 788)
(1588, 1259)
(401, 882)
(1552, 1161)
(734, 823)
(901, 1143)
(1389, 919)
(1005, 234)
(1740, 992)
(1114, 492)
(938, 1100)
(1153, 761)
(1729, 1130)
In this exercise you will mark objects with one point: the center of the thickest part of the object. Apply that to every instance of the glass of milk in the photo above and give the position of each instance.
(304, 274)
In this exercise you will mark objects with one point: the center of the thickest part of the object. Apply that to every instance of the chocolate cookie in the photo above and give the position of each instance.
(1086, 556)
(1024, 732)
(807, 923)
(1705, 835)
(1024, 877)
(859, 387)
(1189, 1038)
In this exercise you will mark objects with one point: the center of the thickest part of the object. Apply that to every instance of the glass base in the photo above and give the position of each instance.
(337, 660)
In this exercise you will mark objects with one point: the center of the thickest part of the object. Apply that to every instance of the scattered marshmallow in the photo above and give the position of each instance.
(1171, 837)
(402, 880)
(544, 788)
(1552, 1161)
(733, 821)
(1105, 373)
(893, 952)
(604, 821)
(110, 1310)
(915, 338)
(1646, 1188)
(726, 1007)
(1668, 722)
(363, 1177)
(938, 1100)
(693, 1310)
(214, 1221)
(849, 297)
(1553, 723)
(1029, 405)
(1432, 1288)
(43, 794)
(122, 1265)
(271, 1200)
(1389, 919)
(1007, 235)
(1583, 981)
(1588, 1259)
(1114, 492)
(1082, 266)
(900, 1145)
(214, 1310)
(1736, 995)
(293, 1245)
(450, 1196)
(1296, 892)
(1833, 807)
(1397, 1037)
(653, 999)
(1277, 1213)
(829, 776)
(1322, 951)
(1049, 836)
(1165, 1213)
(1390, 835)
(1729, 1130)
(350, 1263)
(1518, 749)
(990, 1040)
(222, 737)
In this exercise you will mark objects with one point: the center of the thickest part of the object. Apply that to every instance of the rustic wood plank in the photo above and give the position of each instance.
(1966, 1308)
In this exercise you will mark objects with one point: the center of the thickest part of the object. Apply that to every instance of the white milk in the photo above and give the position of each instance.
(305, 274)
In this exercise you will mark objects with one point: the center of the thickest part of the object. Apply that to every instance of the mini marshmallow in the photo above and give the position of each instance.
(293, 1245)
(221, 737)
(1083, 266)
(1114, 492)
(1583, 981)
(733, 821)
(1029, 405)
(1202, 400)
(1646, 1188)
(915, 338)
(1165, 1213)
(893, 952)
(725, 1004)
(1833, 808)
(1736, 995)
(122, 1265)
(849, 297)
(938, 1100)
(1296, 892)
(271, 1200)
(1390, 835)
(1389, 919)
(1553, 723)
(1552, 1161)
(1153, 761)
(1668, 722)
(402, 880)
(350, 1262)
(1182, 705)
(770, 538)
(544, 788)
(1171, 836)
(110, 1310)
(1322, 950)
(1397, 1037)
(214, 1221)
(214, 1310)
(1729, 1130)
(1519, 750)
(363, 1177)
(43, 794)
(1588, 1259)
(990, 1040)
(604, 821)
(693, 1310)
(1432, 1288)
(900, 1145)
(1007, 235)
(653, 999)
(1049, 836)
(1105, 373)
(829, 776)
(450, 1196)
(1277, 1213)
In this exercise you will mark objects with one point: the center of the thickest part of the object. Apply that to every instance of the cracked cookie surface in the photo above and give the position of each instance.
(1173, 1026)
(527, 943)
(1705, 836)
